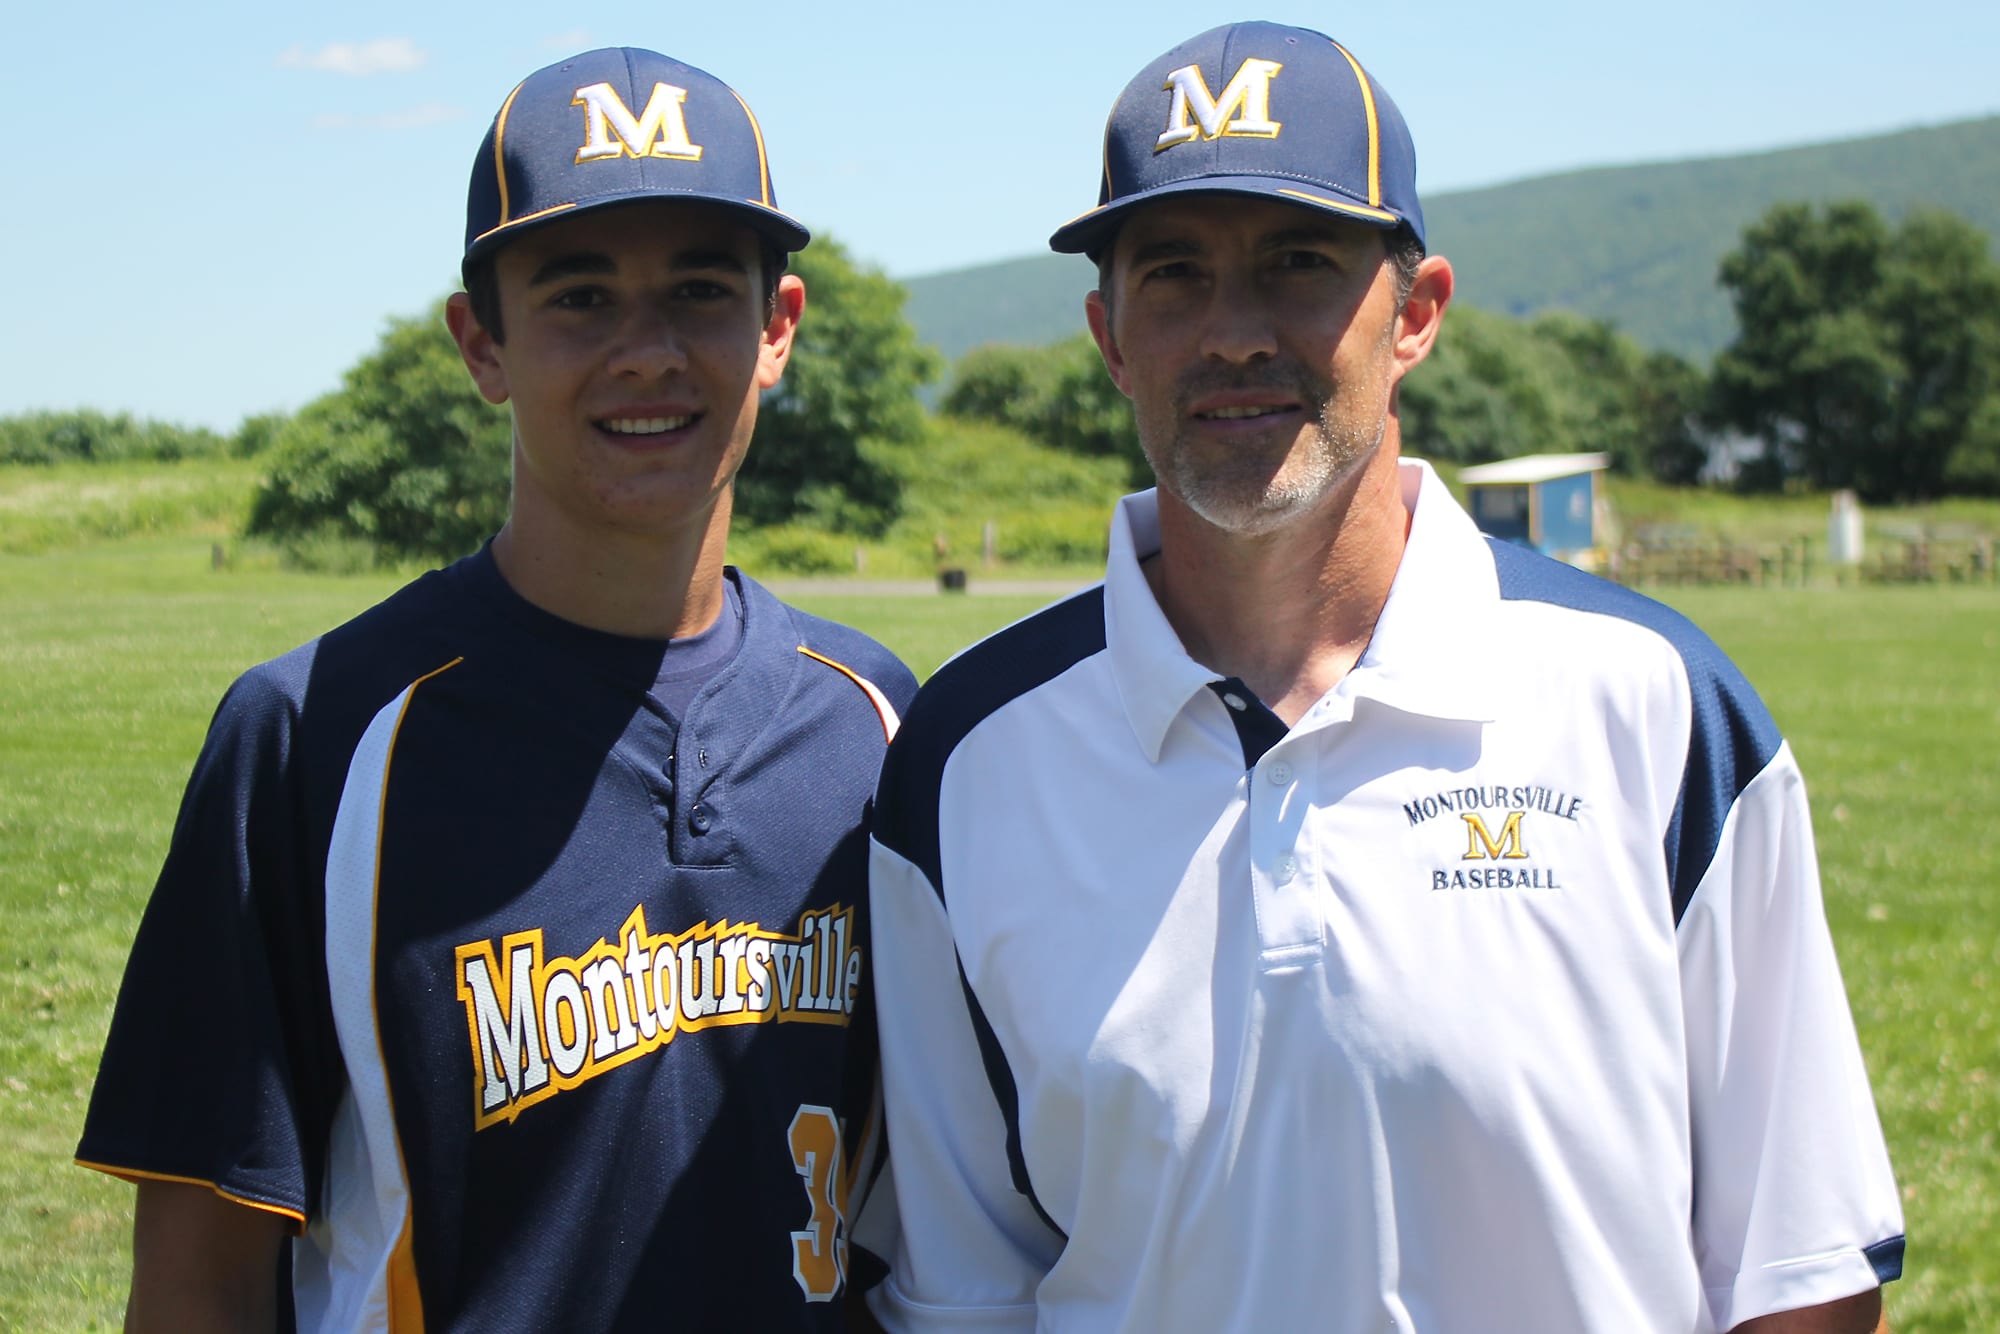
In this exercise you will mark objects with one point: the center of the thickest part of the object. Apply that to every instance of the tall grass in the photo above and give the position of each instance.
(63, 506)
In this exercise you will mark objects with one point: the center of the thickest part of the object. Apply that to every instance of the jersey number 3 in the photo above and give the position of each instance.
(819, 1254)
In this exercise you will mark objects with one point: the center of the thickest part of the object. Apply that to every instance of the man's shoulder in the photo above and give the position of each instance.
(1527, 576)
(1007, 665)
(354, 668)
(1731, 737)
(844, 647)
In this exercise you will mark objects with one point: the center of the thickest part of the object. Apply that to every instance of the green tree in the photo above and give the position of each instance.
(1059, 395)
(1560, 383)
(1865, 358)
(90, 436)
(405, 456)
(1941, 289)
(255, 435)
(1642, 408)
(851, 388)
(1491, 389)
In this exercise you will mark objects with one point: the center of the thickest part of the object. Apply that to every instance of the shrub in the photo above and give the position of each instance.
(790, 549)
(89, 436)
(1064, 535)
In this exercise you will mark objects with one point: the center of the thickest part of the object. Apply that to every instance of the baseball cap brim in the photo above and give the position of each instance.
(1093, 231)
(780, 229)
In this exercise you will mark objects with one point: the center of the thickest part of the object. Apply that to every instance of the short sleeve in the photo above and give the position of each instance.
(1795, 1203)
(220, 1057)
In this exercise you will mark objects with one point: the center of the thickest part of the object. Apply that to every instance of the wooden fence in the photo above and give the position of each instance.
(1666, 557)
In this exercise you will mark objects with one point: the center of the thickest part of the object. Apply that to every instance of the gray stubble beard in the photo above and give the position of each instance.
(1247, 496)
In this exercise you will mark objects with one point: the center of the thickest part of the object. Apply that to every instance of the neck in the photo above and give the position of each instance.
(645, 584)
(1288, 612)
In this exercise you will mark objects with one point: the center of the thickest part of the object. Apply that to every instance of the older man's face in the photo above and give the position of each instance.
(1255, 340)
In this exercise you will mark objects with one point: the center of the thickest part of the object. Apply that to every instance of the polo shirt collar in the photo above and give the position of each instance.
(1441, 608)
(1155, 675)
(1435, 649)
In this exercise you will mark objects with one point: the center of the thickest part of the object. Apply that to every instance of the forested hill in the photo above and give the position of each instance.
(1636, 245)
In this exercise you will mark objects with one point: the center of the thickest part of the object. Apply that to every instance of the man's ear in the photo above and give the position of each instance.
(476, 348)
(1422, 313)
(1098, 316)
(788, 303)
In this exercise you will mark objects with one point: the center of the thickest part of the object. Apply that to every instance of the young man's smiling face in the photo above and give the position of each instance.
(637, 340)
(1259, 343)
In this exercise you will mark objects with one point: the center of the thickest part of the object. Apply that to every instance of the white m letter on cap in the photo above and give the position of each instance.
(1243, 109)
(611, 129)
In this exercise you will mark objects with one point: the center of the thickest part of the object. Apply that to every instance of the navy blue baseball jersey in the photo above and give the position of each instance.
(530, 1003)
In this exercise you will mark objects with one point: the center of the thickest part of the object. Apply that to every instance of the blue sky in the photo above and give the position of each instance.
(210, 210)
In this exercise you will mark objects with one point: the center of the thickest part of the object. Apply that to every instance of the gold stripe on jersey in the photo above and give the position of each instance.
(134, 1175)
(883, 708)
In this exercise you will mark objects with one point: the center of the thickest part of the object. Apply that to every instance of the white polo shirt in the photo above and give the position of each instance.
(1495, 995)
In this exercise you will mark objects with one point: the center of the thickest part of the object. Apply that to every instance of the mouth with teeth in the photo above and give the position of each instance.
(647, 426)
(1245, 413)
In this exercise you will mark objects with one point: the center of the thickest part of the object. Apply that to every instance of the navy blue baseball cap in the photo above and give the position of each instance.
(1254, 109)
(613, 126)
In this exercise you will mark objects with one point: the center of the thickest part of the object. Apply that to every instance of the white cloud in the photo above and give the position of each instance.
(576, 39)
(412, 118)
(384, 55)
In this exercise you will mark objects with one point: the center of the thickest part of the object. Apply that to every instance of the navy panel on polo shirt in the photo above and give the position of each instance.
(1733, 737)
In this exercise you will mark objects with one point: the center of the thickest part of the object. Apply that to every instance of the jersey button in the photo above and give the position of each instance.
(1285, 869)
(700, 819)
(1279, 773)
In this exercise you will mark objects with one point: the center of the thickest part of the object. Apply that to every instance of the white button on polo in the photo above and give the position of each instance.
(1279, 773)
(1285, 869)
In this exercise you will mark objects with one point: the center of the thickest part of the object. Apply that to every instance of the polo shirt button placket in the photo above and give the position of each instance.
(1288, 921)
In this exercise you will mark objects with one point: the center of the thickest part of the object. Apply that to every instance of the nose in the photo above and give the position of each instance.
(649, 344)
(1237, 326)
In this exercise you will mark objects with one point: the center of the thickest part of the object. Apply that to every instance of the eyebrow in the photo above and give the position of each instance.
(575, 264)
(1292, 236)
(710, 259)
(1173, 248)
(1182, 248)
(595, 263)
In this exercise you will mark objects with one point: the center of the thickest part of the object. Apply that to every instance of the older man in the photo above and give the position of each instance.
(1338, 920)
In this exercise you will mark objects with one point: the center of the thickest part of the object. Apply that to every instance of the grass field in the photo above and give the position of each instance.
(113, 653)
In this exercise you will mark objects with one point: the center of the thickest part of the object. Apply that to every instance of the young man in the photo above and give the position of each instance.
(508, 951)
(1337, 920)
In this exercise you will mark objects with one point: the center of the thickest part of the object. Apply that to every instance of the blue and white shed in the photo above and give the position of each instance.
(1544, 501)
